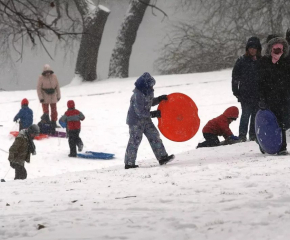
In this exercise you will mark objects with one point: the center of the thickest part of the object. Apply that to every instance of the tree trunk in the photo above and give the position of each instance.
(94, 19)
(119, 62)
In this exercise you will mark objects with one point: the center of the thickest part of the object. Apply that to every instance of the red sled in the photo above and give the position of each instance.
(39, 137)
(179, 120)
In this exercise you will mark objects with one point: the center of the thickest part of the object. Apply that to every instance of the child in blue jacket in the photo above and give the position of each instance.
(25, 115)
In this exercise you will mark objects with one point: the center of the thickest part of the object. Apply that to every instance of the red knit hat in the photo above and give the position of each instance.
(24, 102)
(70, 104)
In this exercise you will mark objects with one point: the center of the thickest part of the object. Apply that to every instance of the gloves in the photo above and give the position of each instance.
(41, 100)
(154, 114)
(262, 105)
(162, 97)
(233, 137)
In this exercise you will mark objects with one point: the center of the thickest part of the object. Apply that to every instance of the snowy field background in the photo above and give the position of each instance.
(229, 192)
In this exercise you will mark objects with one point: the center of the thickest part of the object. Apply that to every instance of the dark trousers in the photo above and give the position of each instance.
(281, 113)
(249, 110)
(74, 140)
(20, 171)
(211, 140)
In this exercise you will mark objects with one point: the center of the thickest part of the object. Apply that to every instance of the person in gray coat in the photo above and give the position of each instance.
(139, 121)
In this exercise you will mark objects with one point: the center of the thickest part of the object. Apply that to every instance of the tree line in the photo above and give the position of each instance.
(210, 38)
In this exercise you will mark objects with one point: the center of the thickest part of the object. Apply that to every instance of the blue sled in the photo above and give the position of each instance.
(96, 155)
(268, 132)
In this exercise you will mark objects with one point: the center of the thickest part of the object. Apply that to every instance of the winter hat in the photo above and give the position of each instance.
(24, 102)
(145, 83)
(231, 112)
(33, 129)
(253, 42)
(47, 69)
(70, 104)
(274, 41)
(45, 117)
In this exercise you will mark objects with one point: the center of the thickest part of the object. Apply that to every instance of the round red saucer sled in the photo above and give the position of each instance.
(179, 120)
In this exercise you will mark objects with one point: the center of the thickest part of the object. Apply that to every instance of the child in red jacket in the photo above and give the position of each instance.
(220, 126)
(72, 118)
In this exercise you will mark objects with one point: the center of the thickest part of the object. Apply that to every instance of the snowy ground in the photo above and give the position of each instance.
(230, 192)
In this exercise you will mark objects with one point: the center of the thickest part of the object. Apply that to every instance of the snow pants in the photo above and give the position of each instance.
(20, 171)
(136, 133)
(45, 108)
(211, 140)
(74, 140)
(281, 113)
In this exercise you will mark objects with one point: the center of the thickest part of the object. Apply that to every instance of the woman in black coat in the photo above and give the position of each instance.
(274, 83)
(245, 87)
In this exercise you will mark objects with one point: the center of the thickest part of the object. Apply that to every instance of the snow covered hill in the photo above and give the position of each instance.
(230, 192)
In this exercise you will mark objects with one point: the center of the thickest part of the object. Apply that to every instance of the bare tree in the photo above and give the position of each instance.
(94, 19)
(119, 62)
(217, 36)
(38, 21)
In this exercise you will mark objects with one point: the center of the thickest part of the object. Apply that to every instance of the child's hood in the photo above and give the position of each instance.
(231, 112)
(145, 83)
(70, 104)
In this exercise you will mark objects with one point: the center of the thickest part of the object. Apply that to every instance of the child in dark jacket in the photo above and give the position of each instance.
(72, 118)
(25, 115)
(45, 126)
(220, 126)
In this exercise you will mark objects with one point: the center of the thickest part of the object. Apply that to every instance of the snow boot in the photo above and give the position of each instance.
(242, 138)
(72, 155)
(166, 159)
(253, 138)
(131, 166)
(80, 147)
(53, 126)
(282, 152)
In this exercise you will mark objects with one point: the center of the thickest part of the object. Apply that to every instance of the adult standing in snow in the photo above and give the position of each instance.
(49, 93)
(20, 151)
(139, 121)
(274, 83)
(245, 87)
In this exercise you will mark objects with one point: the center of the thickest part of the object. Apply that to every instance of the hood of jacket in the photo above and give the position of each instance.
(254, 42)
(231, 112)
(274, 41)
(145, 83)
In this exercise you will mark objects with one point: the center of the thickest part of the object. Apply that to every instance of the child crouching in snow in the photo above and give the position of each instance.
(72, 118)
(45, 126)
(220, 126)
(139, 121)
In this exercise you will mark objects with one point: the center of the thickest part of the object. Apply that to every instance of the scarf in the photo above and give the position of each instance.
(277, 51)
